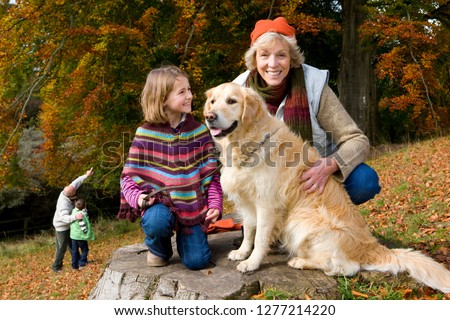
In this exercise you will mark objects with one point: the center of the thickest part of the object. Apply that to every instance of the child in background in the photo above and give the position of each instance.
(80, 233)
(171, 149)
(63, 218)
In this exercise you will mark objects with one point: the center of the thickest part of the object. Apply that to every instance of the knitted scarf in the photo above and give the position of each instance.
(296, 110)
(160, 157)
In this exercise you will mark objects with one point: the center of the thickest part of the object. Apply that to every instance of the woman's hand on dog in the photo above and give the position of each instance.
(316, 177)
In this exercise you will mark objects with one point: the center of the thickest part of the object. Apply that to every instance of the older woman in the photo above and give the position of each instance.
(299, 94)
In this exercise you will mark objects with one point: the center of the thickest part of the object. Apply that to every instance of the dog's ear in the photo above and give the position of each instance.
(208, 95)
(253, 106)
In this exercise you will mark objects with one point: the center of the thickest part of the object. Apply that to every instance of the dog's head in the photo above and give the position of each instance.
(231, 108)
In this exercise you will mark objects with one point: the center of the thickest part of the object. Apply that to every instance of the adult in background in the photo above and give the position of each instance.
(299, 95)
(62, 219)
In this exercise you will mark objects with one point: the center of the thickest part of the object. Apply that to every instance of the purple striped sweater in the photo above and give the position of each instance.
(160, 157)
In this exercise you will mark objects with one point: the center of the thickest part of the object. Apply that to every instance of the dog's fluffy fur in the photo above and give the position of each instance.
(320, 231)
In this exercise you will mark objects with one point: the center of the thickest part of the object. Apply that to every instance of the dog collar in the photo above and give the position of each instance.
(258, 145)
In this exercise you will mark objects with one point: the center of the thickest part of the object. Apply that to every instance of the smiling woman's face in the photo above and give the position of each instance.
(273, 62)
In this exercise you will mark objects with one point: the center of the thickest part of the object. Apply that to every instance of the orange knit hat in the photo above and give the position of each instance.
(278, 25)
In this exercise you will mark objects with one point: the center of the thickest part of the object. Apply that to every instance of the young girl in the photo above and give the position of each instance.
(171, 150)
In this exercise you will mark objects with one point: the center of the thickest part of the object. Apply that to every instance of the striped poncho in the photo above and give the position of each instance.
(159, 157)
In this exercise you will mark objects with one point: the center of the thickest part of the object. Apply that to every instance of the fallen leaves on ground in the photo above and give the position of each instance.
(31, 277)
(359, 294)
(413, 207)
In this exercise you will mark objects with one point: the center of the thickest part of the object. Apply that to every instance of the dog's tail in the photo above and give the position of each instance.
(420, 267)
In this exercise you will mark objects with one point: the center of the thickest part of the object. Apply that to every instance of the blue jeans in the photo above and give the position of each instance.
(362, 184)
(79, 260)
(158, 223)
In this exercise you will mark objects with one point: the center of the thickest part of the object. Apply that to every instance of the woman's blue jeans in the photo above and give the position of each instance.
(158, 223)
(362, 184)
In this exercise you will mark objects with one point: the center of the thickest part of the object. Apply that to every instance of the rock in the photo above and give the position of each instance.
(127, 276)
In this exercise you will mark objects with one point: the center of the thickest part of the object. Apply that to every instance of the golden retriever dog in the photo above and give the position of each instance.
(262, 164)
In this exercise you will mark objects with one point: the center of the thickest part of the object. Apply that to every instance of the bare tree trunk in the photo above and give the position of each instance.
(356, 79)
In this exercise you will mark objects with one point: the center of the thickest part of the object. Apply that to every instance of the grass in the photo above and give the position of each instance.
(412, 210)
(352, 289)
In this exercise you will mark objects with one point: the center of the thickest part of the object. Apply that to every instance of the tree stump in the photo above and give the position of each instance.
(127, 276)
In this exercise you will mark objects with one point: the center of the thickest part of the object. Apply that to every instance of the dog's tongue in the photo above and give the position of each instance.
(215, 131)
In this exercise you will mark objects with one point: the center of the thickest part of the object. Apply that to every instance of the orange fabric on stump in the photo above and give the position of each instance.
(278, 25)
(223, 226)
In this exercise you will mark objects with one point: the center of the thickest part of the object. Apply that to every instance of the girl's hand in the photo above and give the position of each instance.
(144, 204)
(212, 215)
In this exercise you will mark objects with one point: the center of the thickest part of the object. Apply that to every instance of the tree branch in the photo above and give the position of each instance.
(424, 84)
(271, 8)
(27, 94)
(191, 34)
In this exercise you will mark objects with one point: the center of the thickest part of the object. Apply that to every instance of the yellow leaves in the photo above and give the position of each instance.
(117, 30)
(359, 294)
(48, 116)
(289, 7)
(260, 296)
(73, 133)
(427, 230)
(391, 63)
(195, 71)
(188, 8)
(411, 73)
(100, 47)
(406, 292)
(201, 20)
(428, 58)
(393, 31)
(147, 21)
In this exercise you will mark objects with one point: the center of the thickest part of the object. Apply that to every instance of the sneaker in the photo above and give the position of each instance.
(155, 261)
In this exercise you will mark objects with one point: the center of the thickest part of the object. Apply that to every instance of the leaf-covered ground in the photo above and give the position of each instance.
(29, 276)
(412, 210)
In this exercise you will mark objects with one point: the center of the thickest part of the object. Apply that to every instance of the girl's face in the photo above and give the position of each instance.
(273, 62)
(179, 100)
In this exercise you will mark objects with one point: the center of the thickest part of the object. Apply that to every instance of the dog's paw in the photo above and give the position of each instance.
(297, 263)
(247, 266)
(237, 255)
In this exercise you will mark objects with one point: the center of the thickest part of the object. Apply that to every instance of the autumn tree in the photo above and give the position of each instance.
(86, 63)
(412, 67)
(71, 72)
